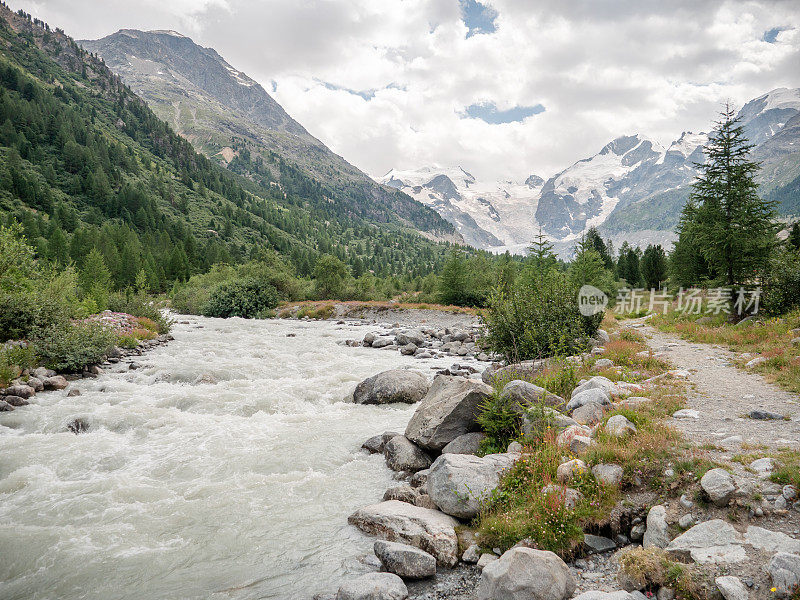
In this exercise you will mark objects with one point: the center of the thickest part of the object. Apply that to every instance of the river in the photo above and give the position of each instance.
(225, 467)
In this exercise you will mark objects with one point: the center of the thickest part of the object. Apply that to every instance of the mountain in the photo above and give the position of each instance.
(228, 116)
(633, 189)
(487, 215)
(85, 163)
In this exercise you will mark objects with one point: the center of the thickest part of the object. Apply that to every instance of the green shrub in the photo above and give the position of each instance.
(781, 286)
(248, 298)
(72, 346)
(499, 421)
(537, 317)
(139, 305)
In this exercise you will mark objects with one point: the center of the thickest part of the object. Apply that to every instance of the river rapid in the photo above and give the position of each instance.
(225, 467)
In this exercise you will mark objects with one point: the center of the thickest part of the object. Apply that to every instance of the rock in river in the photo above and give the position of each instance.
(447, 411)
(406, 561)
(373, 586)
(403, 455)
(426, 529)
(396, 385)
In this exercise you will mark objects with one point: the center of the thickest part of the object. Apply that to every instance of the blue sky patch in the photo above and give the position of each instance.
(488, 112)
(772, 34)
(478, 17)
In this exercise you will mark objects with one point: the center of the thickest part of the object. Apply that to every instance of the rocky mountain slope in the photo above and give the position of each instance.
(633, 189)
(230, 117)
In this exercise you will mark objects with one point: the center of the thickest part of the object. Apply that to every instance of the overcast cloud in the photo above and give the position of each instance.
(504, 88)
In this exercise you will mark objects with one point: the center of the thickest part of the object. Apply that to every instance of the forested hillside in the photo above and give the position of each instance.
(85, 163)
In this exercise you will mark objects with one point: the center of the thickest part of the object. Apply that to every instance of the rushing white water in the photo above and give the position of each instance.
(225, 467)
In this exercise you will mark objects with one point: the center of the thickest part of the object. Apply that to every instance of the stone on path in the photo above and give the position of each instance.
(719, 486)
(656, 534)
(731, 588)
(686, 413)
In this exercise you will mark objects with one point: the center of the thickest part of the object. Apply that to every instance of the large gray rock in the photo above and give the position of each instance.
(714, 541)
(620, 426)
(373, 586)
(520, 395)
(596, 382)
(469, 443)
(596, 395)
(731, 588)
(396, 385)
(427, 529)
(526, 574)
(410, 337)
(588, 414)
(459, 483)
(719, 486)
(56, 382)
(403, 455)
(406, 561)
(656, 535)
(784, 569)
(21, 390)
(608, 474)
(448, 410)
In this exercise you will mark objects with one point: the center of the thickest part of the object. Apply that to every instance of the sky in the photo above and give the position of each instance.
(504, 88)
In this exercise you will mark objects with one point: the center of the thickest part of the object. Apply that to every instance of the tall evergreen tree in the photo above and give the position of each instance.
(653, 266)
(540, 253)
(731, 227)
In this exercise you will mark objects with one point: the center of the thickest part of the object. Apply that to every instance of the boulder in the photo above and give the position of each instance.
(408, 350)
(526, 574)
(602, 363)
(731, 588)
(5, 406)
(596, 395)
(20, 390)
(521, 395)
(15, 401)
(471, 554)
(718, 484)
(396, 385)
(403, 455)
(420, 478)
(485, 559)
(382, 342)
(656, 535)
(406, 561)
(588, 414)
(36, 384)
(56, 382)
(373, 586)
(596, 382)
(601, 335)
(567, 471)
(403, 493)
(714, 541)
(596, 544)
(469, 443)
(447, 411)
(373, 445)
(424, 528)
(566, 437)
(410, 337)
(784, 569)
(619, 426)
(41, 373)
(607, 474)
(460, 483)
(368, 339)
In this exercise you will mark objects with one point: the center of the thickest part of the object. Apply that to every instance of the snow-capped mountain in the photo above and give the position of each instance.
(486, 214)
(633, 189)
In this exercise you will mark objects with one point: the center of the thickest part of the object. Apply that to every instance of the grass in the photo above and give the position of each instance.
(652, 568)
(770, 338)
(520, 509)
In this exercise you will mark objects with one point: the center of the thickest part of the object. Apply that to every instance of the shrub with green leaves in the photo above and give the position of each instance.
(538, 317)
(781, 289)
(72, 346)
(248, 298)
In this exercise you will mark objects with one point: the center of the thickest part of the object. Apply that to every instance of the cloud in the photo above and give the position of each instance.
(389, 84)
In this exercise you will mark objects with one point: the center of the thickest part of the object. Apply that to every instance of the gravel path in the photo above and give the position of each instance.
(724, 395)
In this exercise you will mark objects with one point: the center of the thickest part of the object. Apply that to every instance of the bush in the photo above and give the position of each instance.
(139, 305)
(72, 346)
(781, 289)
(248, 298)
(538, 317)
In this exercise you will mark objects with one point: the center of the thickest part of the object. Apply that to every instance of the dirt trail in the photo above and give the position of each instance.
(724, 395)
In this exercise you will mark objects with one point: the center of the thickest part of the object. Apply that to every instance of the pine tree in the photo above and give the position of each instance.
(540, 253)
(653, 266)
(730, 226)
